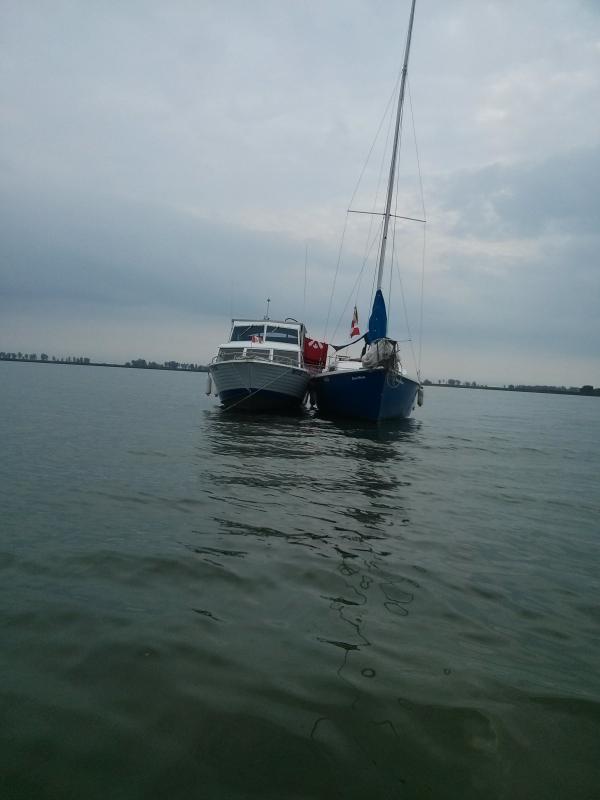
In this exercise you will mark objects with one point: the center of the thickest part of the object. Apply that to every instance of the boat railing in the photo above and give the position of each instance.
(230, 354)
(245, 354)
(336, 360)
(284, 357)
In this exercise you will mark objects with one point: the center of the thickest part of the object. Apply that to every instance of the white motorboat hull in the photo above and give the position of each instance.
(259, 385)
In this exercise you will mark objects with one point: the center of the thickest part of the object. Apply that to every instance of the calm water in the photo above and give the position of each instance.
(197, 604)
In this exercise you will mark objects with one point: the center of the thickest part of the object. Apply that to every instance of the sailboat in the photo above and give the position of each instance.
(374, 387)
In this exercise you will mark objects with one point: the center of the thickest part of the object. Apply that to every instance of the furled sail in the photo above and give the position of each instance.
(377, 320)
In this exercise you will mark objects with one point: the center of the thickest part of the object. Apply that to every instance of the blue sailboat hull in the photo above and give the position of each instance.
(369, 394)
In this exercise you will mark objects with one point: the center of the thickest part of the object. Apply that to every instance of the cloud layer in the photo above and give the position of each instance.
(164, 166)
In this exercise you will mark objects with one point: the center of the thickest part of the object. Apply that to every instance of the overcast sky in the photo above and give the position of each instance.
(164, 165)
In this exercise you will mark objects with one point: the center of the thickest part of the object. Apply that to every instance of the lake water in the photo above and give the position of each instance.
(198, 604)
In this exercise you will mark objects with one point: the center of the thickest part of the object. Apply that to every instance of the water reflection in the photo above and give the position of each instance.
(341, 489)
(388, 431)
(257, 435)
(371, 586)
(307, 437)
(254, 424)
(306, 522)
(350, 479)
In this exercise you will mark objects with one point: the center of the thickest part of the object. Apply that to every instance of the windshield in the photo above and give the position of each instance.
(244, 333)
(276, 333)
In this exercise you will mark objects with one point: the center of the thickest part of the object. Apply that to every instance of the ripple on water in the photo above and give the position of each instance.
(295, 608)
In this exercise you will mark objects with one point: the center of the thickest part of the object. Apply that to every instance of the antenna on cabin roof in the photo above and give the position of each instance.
(268, 304)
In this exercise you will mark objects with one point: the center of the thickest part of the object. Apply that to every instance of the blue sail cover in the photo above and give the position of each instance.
(377, 320)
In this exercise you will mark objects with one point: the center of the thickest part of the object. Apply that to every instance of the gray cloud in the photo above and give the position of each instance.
(119, 254)
(550, 304)
(162, 164)
(556, 195)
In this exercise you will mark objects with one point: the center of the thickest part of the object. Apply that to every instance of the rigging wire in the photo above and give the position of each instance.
(416, 361)
(360, 177)
(305, 270)
(370, 244)
(422, 296)
(410, 340)
(375, 238)
(337, 269)
(394, 227)
(412, 116)
(368, 241)
(374, 281)
(394, 263)
(379, 180)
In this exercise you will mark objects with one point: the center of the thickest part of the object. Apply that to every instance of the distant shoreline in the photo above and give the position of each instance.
(174, 366)
(578, 392)
(85, 362)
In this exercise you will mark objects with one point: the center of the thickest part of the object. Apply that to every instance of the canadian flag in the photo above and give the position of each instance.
(354, 329)
(255, 339)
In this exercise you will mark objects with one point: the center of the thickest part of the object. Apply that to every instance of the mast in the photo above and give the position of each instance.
(390, 191)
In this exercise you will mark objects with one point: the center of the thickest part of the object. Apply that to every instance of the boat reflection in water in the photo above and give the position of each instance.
(305, 528)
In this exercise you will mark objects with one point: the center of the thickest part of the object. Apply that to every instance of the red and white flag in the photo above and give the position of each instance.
(354, 329)
(255, 339)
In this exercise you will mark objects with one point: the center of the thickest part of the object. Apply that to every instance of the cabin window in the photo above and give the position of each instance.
(229, 353)
(256, 352)
(286, 357)
(244, 333)
(278, 333)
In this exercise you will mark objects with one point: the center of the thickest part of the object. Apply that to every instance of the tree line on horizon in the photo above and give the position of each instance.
(141, 363)
(44, 357)
(138, 363)
(586, 389)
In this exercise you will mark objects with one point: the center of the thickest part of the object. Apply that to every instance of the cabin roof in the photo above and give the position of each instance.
(261, 345)
(241, 321)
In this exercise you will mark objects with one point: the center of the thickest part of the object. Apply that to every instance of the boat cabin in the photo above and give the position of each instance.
(266, 340)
